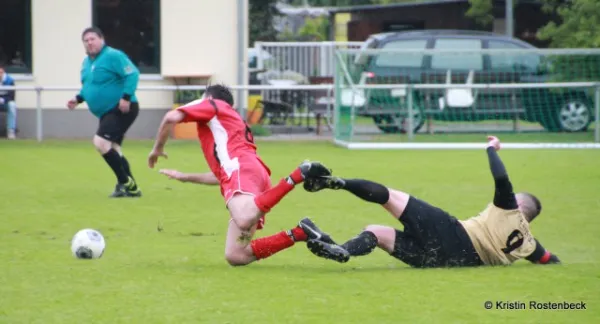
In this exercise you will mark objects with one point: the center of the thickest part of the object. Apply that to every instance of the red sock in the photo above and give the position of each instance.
(299, 234)
(296, 176)
(264, 247)
(268, 199)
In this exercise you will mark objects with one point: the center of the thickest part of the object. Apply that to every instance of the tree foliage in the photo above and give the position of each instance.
(578, 22)
(481, 12)
(579, 25)
(261, 15)
(344, 3)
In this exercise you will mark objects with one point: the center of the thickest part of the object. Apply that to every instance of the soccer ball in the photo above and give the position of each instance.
(88, 244)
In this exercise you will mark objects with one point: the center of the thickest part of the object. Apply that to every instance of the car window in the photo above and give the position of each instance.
(361, 59)
(514, 61)
(457, 61)
(399, 59)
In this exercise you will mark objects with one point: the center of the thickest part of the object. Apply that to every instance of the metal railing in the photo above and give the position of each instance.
(331, 91)
(39, 107)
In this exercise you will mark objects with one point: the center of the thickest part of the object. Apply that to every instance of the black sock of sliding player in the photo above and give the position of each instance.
(363, 244)
(367, 190)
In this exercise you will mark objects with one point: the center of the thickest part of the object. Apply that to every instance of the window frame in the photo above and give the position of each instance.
(157, 39)
(28, 48)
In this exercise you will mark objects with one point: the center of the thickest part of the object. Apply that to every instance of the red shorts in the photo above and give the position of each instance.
(252, 178)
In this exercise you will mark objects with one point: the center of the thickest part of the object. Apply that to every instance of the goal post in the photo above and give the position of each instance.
(450, 99)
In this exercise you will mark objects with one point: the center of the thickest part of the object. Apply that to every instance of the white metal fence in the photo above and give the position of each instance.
(299, 60)
(306, 91)
(345, 97)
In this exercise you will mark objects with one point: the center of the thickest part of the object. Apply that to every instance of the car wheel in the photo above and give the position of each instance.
(571, 115)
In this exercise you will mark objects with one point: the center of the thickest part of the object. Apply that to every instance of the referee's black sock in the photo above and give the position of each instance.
(113, 159)
(126, 166)
(368, 190)
(363, 244)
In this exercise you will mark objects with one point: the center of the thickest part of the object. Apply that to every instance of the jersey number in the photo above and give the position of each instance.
(248, 134)
(514, 241)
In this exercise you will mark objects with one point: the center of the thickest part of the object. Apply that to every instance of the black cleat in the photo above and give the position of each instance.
(313, 232)
(328, 251)
(120, 191)
(129, 189)
(324, 182)
(132, 189)
(313, 169)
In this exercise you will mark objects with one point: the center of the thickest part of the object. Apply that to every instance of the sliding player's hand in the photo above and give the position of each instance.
(153, 157)
(494, 142)
(172, 174)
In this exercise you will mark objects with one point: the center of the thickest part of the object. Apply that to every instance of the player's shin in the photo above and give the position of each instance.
(271, 197)
(367, 190)
(126, 166)
(113, 159)
(268, 199)
(264, 247)
(363, 244)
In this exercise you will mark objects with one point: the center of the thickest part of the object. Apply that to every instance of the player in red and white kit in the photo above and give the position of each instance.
(229, 149)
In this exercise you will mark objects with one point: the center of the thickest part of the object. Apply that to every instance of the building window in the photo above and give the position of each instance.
(132, 26)
(15, 35)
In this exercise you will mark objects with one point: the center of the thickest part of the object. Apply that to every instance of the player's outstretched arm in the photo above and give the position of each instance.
(171, 118)
(504, 197)
(207, 178)
(542, 256)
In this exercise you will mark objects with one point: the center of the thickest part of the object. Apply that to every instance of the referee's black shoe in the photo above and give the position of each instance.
(129, 189)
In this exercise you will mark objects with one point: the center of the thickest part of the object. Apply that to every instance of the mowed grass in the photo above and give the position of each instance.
(178, 275)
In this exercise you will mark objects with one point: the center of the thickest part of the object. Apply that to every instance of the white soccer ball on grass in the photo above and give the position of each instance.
(88, 244)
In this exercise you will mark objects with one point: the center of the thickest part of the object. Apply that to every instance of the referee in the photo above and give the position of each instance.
(109, 80)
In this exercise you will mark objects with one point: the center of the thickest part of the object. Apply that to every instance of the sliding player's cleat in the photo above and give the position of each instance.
(328, 251)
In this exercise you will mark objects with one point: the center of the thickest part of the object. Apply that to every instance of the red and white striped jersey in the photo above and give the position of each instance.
(225, 138)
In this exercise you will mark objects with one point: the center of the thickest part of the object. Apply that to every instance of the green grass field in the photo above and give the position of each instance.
(49, 191)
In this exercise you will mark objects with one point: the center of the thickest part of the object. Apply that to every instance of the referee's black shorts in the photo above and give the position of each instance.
(433, 238)
(114, 124)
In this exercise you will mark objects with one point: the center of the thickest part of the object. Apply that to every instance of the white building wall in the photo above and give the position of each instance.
(198, 38)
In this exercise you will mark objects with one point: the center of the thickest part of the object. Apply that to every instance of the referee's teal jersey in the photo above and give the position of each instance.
(106, 79)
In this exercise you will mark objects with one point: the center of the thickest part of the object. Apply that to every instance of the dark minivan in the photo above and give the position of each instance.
(556, 109)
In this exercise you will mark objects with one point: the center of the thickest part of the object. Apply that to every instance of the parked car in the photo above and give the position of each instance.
(568, 110)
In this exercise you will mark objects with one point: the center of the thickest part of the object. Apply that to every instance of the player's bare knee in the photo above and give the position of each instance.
(386, 236)
(244, 211)
(397, 203)
(101, 145)
(245, 218)
(116, 147)
(238, 256)
(237, 259)
(245, 222)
